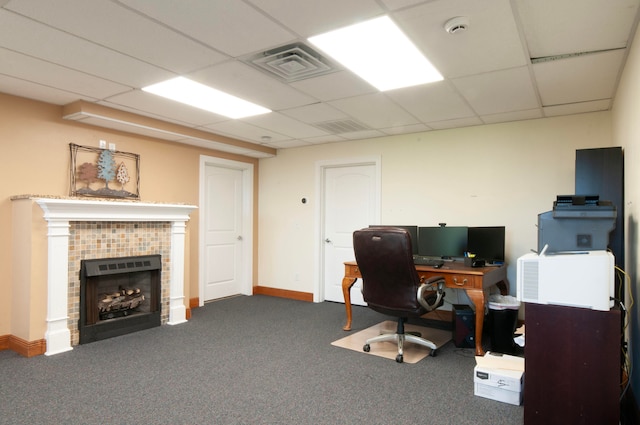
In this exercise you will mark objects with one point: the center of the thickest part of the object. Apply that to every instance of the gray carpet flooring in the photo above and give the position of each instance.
(245, 360)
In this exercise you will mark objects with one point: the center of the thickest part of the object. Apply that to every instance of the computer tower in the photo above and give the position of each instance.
(464, 320)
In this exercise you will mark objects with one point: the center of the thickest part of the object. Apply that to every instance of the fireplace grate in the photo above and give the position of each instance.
(107, 266)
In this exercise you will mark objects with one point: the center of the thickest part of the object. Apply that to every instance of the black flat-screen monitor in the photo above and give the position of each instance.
(487, 243)
(413, 232)
(442, 242)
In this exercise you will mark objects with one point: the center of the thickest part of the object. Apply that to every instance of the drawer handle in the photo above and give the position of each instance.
(464, 281)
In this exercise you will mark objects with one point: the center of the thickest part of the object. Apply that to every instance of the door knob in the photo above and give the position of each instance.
(327, 240)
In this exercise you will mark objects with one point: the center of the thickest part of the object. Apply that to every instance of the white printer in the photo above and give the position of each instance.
(577, 279)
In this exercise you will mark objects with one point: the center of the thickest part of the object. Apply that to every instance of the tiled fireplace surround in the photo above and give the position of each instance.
(87, 229)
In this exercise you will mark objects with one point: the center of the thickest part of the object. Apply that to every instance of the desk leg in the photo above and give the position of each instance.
(477, 296)
(347, 283)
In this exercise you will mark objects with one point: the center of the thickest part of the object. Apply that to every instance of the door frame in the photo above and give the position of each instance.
(321, 167)
(246, 285)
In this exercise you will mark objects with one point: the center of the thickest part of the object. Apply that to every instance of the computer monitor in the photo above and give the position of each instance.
(487, 243)
(413, 232)
(442, 242)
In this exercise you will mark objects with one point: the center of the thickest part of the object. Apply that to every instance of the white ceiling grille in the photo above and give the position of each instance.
(341, 126)
(292, 62)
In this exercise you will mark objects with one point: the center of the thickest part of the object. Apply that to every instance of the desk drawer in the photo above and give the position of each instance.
(462, 281)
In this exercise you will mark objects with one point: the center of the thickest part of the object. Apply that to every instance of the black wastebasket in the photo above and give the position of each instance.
(503, 316)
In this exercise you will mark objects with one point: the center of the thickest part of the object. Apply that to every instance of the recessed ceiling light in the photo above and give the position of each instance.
(204, 97)
(380, 53)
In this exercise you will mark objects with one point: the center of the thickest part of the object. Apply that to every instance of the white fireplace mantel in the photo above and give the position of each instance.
(59, 212)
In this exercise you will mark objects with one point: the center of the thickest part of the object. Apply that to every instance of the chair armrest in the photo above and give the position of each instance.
(429, 298)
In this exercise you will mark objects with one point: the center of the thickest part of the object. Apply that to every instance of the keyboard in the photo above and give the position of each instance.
(427, 261)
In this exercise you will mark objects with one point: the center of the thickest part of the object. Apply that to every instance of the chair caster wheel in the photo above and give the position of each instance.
(432, 353)
(399, 358)
(366, 348)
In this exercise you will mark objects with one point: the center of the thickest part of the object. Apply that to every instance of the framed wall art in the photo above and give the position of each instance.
(104, 173)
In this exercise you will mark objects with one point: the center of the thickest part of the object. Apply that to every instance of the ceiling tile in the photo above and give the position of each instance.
(149, 104)
(61, 48)
(579, 78)
(284, 125)
(325, 139)
(553, 27)
(462, 122)
(222, 24)
(31, 90)
(512, 116)
(309, 18)
(365, 134)
(153, 42)
(414, 128)
(244, 131)
(491, 41)
(318, 112)
(498, 91)
(54, 76)
(243, 81)
(375, 110)
(333, 86)
(399, 4)
(432, 102)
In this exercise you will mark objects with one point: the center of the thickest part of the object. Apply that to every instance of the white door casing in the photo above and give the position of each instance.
(349, 194)
(226, 228)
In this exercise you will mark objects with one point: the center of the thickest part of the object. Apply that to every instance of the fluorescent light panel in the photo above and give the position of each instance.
(379, 52)
(204, 97)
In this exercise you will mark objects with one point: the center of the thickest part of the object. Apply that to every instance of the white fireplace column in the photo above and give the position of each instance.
(59, 212)
(177, 309)
(58, 336)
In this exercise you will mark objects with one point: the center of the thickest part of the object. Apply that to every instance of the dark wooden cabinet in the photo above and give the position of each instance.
(572, 366)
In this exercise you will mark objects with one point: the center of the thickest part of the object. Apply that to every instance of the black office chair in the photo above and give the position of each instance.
(391, 285)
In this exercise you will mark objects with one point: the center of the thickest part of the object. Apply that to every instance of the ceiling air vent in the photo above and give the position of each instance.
(341, 126)
(292, 62)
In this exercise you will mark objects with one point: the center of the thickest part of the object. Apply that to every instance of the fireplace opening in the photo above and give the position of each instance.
(119, 296)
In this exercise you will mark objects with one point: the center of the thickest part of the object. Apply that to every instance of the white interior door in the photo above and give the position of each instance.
(350, 202)
(225, 221)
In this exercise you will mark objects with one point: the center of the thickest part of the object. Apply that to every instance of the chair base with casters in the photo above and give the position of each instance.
(401, 336)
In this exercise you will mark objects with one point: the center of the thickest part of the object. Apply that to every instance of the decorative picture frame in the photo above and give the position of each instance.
(92, 170)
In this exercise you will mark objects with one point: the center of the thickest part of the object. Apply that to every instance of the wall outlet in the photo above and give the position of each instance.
(103, 144)
(112, 147)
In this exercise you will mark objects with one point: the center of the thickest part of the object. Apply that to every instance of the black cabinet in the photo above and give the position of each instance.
(601, 172)
(572, 366)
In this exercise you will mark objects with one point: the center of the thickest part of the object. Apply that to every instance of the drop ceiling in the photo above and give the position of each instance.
(516, 60)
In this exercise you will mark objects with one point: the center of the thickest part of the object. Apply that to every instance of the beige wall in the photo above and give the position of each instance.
(35, 151)
(626, 133)
(502, 174)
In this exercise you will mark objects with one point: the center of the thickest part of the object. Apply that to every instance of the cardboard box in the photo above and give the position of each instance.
(500, 378)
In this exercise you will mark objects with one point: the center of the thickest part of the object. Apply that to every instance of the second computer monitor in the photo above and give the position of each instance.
(442, 242)
(487, 243)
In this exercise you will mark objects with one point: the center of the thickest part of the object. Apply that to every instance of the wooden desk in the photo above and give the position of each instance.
(474, 280)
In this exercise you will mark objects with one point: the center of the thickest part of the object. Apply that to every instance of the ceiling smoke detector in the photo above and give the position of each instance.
(457, 25)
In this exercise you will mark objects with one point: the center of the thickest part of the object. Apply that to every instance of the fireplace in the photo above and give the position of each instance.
(119, 296)
(46, 285)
